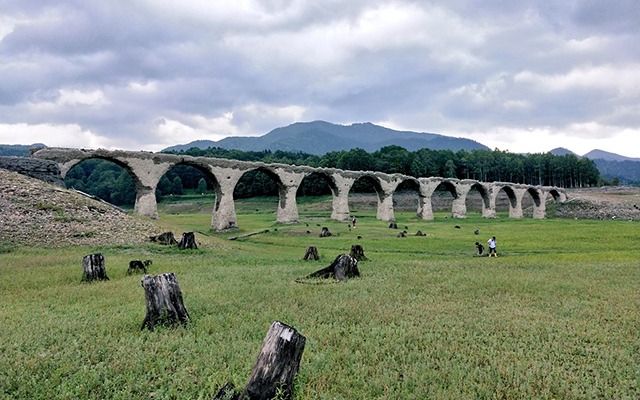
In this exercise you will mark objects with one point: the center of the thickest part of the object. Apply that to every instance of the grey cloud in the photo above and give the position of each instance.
(209, 63)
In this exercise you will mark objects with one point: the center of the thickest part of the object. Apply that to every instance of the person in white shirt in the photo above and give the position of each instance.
(492, 247)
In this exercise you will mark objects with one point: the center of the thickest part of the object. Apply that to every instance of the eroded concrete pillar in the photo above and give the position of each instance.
(287, 207)
(425, 191)
(459, 204)
(385, 198)
(340, 204)
(224, 212)
(146, 174)
(515, 208)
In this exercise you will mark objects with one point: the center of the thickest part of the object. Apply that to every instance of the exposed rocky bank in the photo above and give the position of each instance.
(33, 212)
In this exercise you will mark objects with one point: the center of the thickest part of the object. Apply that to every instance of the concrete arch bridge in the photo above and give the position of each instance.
(147, 168)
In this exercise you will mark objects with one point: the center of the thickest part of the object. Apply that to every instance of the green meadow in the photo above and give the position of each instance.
(555, 316)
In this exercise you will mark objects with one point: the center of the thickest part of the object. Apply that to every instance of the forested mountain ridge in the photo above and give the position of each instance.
(320, 137)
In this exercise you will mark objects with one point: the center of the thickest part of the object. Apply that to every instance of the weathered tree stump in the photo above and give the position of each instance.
(357, 252)
(312, 252)
(275, 369)
(277, 364)
(188, 241)
(165, 238)
(93, 268)
(164, 301)
(325, 232)
(393, 225)
(342, 268)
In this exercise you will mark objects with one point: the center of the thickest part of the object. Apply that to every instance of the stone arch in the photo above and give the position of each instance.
(71, 168)
(534, 199)
(205, 170)
(407, 192)
(287, 182)
(556, 194)
(484, 203)
(363, 202)
(252, 172)
(513, 198)
(327, 180)
(444, 185)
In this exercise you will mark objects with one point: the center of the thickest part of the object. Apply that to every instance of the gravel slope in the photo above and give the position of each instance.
(35, 213)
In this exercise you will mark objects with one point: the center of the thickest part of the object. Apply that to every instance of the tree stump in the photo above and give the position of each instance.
(277, 364)
(357, 252)
(393, 225)
(325, 232)
(164, 301)
(188, 241)
(342, 268)
(312, 252)
(165, 238)
(93, 268)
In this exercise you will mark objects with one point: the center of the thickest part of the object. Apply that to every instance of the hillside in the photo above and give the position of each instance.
(320, 137)
(35, 213)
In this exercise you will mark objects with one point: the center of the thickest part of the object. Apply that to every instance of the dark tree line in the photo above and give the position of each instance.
(112, 183)
(567, 171)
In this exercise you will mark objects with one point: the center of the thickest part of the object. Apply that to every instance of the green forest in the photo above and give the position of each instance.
(113, 184)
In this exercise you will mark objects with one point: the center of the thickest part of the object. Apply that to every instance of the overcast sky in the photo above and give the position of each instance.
(522, 76)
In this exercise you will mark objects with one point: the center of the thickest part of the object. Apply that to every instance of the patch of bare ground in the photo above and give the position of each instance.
(618, 202)
(36, 213)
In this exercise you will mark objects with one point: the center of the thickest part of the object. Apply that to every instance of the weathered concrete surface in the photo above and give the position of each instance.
(44, 170)
(146, 169)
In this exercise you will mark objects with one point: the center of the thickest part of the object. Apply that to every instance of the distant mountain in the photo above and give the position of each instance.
(17, 150)
(561, 151)
(321, 137)
(605, 155)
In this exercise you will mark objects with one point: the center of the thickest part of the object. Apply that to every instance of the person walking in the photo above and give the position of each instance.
(492, 247)
(353, 222)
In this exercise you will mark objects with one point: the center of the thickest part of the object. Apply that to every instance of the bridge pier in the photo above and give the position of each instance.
(224, 212)
(425, 192)
(287, 206)
(388, 187)
(459, 204)
(340, 200)
(515, 207)
(146, 204)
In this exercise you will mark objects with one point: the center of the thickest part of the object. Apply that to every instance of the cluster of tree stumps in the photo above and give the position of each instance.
(342, 268)
(188, 240)
(279, 359)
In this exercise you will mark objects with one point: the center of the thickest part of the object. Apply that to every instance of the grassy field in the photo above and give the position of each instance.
(556, 315)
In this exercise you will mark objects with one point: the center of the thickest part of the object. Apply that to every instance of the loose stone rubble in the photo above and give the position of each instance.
(35, 213)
